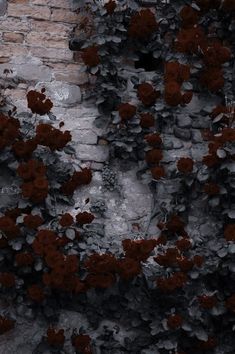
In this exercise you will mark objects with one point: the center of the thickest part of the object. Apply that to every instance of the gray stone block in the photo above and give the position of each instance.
(92, 153)
(184, 134)
(184, 121)
(61, 94)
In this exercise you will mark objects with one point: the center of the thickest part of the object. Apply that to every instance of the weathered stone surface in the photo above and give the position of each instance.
(84, 136)
(201, 122)
(92, 153)
(184, 134)
(173, 155)
(62, 94)
(27, 71)
(198, 151)
(183, 121)
(196, 136)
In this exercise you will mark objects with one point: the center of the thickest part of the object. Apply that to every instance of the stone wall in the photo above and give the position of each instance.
(35, 49)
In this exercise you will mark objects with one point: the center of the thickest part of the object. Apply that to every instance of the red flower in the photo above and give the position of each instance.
(103, 280)
(36, 293)
(6, 324)
(33, 221)
(153, 139)
(71, 263)
(190, 40)
(229, 232)
(55, 338)
(228, 5)
(198, 260)
(187, 97)
(172, 94)
(209, 344)
(185, 165)
(175, 281)
(82, 343)
(8, 226)
(153, 156)
(207, 302)
(110, 6)
(126, 111)
(47, 135)
(215, 54)
(66, 220)
(185, 264)
(128, 268)
(37, 104)
(31, 169)
(90, 56)
(168, 259)
(24, 149)
(7, 279)
(212, 78)
(174, 321)
(142, 25)
(228, 135)
(24, 259)
(147, 94)
(84, 218)
(211, 188)
(189, 16)
(146, 120)
(138, 249)
(183, 244)
(175, 71)
(101, 263)
(175, 224)
(158, 172)
(210, 160)
(230, 303)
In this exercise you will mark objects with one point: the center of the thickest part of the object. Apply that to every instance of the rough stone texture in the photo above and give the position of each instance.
(61, 93)
(184, 134)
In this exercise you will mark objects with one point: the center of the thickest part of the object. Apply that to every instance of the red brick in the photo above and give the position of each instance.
(13, 37)
(18, 1)
(59, 15)
(14, 25)
(46, 40)
(50, 27)
(4, 60)
(15, 94)
(71, 77)
(52, 53)
(39, 12)
(10, 50)
(64, 4)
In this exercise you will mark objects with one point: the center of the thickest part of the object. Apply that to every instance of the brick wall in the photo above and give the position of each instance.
(34, 48)
(34, 38)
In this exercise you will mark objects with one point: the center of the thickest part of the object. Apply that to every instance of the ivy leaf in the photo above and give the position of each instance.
(221, 153)
(201, 334)
(231, 248)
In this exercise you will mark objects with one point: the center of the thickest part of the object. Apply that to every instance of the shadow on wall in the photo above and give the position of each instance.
(3, 7)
